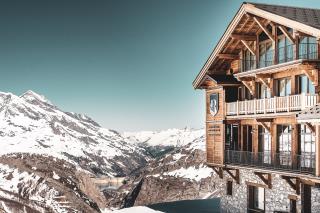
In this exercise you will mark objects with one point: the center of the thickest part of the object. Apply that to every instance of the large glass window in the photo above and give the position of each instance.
(249, 61)
(284, 144)
(265, 54)
(307, 146)
(285, 50)
(264, 147)
(308, 48)
(284, 87)
(305, 85)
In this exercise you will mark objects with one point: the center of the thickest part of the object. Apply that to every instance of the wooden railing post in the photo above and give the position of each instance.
(265, 105)
(237, 106)
(275, 104)
(288, 103)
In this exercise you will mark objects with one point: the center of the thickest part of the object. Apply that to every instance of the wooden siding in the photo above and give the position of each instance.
(215, 129)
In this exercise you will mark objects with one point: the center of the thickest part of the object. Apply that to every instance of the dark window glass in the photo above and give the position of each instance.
(229, 187)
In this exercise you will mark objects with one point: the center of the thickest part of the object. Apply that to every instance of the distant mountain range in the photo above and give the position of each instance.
(48, 157)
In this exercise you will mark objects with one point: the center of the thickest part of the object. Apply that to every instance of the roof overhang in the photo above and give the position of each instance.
(247, 8)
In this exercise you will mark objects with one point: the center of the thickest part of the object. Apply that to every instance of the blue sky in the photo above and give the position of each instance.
(127, 64)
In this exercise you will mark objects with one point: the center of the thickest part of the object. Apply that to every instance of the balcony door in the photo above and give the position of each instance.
(264, 145)
(284, 87)
(232, 137)
(284, 139)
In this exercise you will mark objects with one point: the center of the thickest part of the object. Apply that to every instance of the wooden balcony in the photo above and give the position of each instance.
(269, 106)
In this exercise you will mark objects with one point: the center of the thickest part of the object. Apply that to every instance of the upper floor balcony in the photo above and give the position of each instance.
(270, 106)
(273, 57)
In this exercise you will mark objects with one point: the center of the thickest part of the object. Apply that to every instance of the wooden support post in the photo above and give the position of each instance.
(317, 150)
(296, 45)
(294, 145)
(255, 141)
(273, 143)
(275, 43)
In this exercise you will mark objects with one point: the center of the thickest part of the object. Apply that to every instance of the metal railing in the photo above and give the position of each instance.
(278, 161)
(285, 54)
(271, 105)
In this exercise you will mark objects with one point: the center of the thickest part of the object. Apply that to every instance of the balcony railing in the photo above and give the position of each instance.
(285, 54)
(271, 105)
(278, 161)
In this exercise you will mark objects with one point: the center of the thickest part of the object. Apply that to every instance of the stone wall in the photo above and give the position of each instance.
(276, 198)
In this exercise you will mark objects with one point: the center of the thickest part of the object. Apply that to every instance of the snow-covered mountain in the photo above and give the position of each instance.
(170, 137)
(32, 124)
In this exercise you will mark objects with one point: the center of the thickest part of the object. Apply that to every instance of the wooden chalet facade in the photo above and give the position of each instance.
(263, 72)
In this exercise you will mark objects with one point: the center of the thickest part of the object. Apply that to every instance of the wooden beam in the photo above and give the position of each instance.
(218, 171)
(263, 28)
(265, 81)
(311, 127)
(312, 75)
(268, 128)
(295, 185)
(265, 177)
(228, 56)
(244, 37)
(245, 43)
(235, 176)
(287, 34)
(249, 85)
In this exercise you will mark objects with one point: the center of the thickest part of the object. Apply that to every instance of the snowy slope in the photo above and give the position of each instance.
(170, 137)
(32, 124)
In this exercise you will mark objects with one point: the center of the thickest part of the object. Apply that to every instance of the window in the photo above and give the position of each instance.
(284, 144)
(305, 85)
(285, 50)
(264, 145)
(307, 146)
(249, 61)
(229, 187)
(263, 91)
(308, 48)
(284, 87)
(265, 54)
(256, 199)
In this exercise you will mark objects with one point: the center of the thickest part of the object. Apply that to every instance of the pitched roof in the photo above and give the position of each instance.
(302, 19)
(311, 113)
(308, 16)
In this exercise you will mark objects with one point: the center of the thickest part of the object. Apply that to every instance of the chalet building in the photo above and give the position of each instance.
(263, 109)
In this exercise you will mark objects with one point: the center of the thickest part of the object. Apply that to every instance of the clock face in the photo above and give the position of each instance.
(214, 103)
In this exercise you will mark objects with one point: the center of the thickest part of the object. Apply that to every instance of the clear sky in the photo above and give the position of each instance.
(127, 64)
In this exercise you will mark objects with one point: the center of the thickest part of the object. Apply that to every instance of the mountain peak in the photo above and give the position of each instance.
(31, 96)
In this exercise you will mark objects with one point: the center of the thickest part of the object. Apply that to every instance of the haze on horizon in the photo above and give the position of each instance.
(127, 64)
